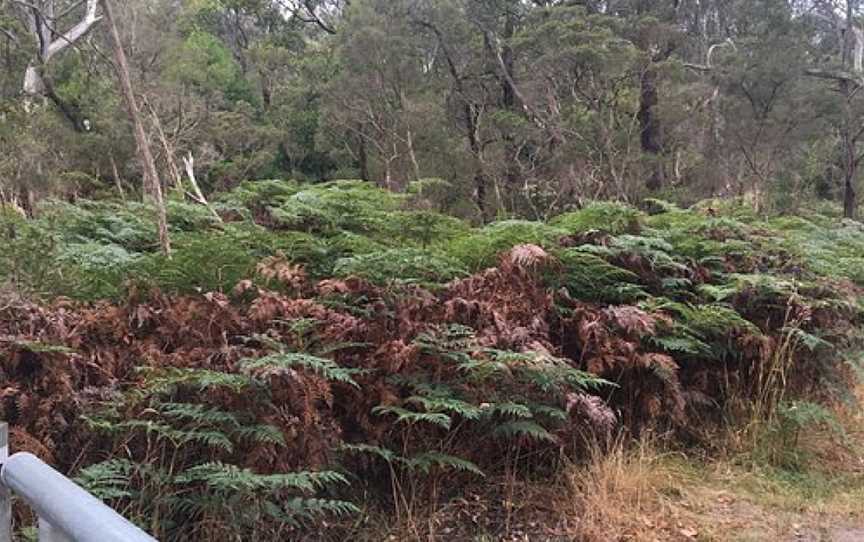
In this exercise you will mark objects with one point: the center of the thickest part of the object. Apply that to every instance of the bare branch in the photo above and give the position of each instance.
(76, 32)
(10, 36)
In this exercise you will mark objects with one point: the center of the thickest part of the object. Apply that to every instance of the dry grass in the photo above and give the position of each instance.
(628, 493)
(640, 493)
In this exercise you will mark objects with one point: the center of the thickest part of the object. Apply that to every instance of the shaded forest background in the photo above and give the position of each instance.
(525, 108)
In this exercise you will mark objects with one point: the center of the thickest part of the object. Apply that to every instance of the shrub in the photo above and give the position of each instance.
(481, 248)
(610, 217)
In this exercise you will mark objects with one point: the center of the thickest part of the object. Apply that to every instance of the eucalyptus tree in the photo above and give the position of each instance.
(48, 28)
(843, 66)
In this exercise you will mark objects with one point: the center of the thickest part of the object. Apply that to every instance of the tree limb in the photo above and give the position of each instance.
(76, 32)
(10, 36)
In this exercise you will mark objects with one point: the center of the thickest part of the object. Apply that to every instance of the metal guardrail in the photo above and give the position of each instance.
(67, 513)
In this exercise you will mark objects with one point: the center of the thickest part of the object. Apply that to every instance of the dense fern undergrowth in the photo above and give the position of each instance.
(330, 350)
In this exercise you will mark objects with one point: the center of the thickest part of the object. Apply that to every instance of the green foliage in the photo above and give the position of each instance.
(654, 252)
(610, 217)
(108, 480)
(202, 61)
(481, 248)
(199, 448)
(781, 443)
(590, 277)
(354, 206)
(257, 195)
(408, 265)
(283, 363)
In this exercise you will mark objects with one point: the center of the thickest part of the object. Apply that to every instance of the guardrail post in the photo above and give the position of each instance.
(5, 494)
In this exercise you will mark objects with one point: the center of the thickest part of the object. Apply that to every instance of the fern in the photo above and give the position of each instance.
(482, 248)
(446, 404)
(166, 380)
(682, 343)
(611, 217)
(425, 461)
(198, 414)
(108, 480)
(524, 428)
(589, 277)
(209, 438)
(411, 417)
(313, 508)
(550, 412)
(275, 364)
(512, 410)
(387, 455)
(404, 265)
(223, 477)
(261, 434)
(715, 320)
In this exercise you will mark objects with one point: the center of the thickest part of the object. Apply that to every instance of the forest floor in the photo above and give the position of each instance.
(644, 495)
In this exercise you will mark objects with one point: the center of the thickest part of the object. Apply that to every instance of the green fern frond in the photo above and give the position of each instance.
(592, 278)
(261, 434)
(275, 364)
(513, 410)
(165, 380)
(383, 453)
(808, 340)
(550, 412)
(411, 417)
(524, 428)
(213, 439)
(223, 477)
(446, 404)
(425, 461)
(198, 414)
(109, 479)
(312, 508)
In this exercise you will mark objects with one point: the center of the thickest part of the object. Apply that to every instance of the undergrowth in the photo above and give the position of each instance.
(332, 350)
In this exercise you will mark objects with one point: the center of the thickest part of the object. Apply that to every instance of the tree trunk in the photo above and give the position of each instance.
(850, 146)
(197, 194)
(42, 23)
(34, 85)
(850, 197)
(151, 178)
(117, 180)
(652, 136)
(509, 100)
(481, 181)
(167, 148)
(362, 156)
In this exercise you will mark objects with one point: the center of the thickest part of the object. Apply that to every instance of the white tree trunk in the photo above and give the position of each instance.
(42, 23)
(151, 177)
(33, 83)
(197, 195)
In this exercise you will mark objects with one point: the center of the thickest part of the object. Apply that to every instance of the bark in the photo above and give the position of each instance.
(41, 21)
(197, 195)
(853, 56)
(117, 180)
(412, 155)
(362, 156)
(151, 177)
(509, 95)
(167, 148)
(651, 133)
(850, 160)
